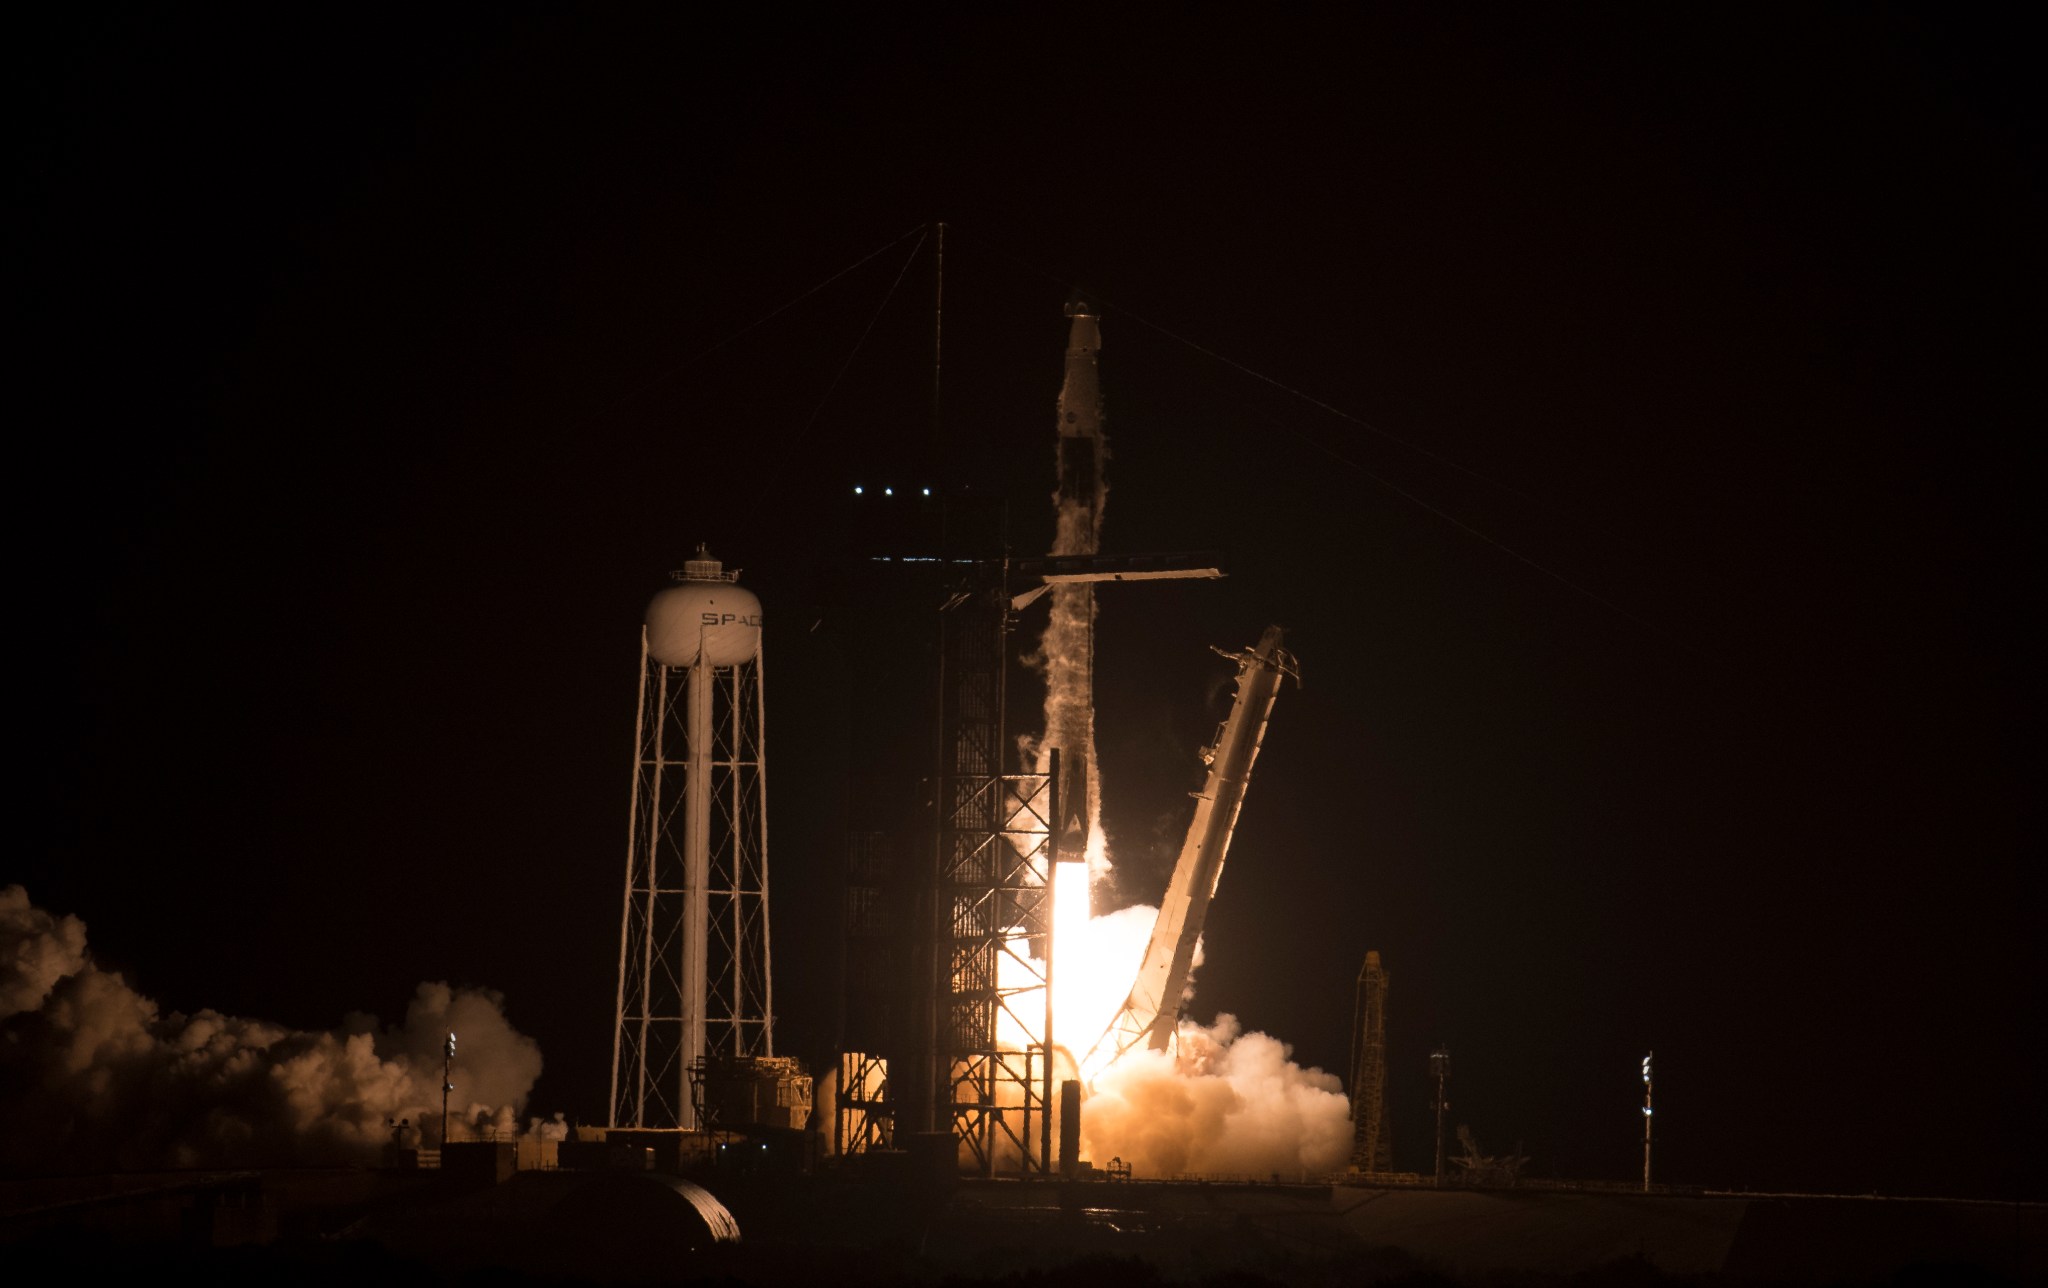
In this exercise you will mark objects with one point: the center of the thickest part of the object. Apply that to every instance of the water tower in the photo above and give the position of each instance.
(693, 935)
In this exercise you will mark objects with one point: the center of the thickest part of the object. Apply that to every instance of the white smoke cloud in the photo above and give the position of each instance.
(36, 950)
(94, 1075)
(1230, 1103)
(1226, 1103)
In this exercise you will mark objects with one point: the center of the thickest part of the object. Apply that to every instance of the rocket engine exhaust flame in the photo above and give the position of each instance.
(1223, 1102)
(99, 1077)
(1226, 1103)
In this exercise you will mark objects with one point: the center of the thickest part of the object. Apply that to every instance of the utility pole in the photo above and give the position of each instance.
(447, 1084)
(1440, 1069)
(1646, 1122)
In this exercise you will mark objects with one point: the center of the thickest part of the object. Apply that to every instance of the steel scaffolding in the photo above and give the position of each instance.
(994, 872)
(873, 966)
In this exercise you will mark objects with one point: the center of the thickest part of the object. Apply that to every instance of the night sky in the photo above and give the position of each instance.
(1629, 415)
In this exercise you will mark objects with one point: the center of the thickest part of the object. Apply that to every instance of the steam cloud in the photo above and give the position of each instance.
(94, 1076)
(1226, 1103)
(1230, 1103)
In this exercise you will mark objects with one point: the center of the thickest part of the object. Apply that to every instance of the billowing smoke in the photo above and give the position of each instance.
(1227, 1103)
(1230, 1103)
(94, 1076)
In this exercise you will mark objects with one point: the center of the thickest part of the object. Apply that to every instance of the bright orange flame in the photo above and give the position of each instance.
(1070, 912)
(1095, 962)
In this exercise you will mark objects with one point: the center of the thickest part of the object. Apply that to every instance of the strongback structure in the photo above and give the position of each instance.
(1151, 1014)
(693, 933)
(1371, 1143)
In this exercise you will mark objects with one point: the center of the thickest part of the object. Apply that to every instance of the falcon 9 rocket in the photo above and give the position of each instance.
(1069, 644)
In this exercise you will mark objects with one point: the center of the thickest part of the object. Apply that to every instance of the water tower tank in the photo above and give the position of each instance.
(704, 614)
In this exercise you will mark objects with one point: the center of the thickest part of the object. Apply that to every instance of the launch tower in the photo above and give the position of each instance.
(693, 932)
(996, 853)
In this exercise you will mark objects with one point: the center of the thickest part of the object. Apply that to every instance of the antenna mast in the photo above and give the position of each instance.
(938, 337)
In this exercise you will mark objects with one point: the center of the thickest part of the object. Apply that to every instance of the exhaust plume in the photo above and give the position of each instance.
(1224, 1103)
(95, 1076)
(1230, 1103)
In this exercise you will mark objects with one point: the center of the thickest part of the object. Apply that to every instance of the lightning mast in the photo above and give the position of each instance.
(1372, 1145)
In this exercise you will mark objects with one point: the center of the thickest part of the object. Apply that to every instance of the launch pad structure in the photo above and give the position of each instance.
(972, 1067)
(993, 1037)
(971, 1064)
(969, 1058)
(995, 859)
(949, 918)
(973, 1060)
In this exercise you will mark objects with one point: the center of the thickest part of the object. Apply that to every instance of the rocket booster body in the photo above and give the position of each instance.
(1070, 634)
(1080, 417)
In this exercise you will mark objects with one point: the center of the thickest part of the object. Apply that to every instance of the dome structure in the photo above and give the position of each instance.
(706, 615)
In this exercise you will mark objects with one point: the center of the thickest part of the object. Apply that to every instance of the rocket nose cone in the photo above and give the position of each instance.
(1079, 306)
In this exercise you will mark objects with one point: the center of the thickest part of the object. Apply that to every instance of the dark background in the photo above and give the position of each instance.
(1676, 689)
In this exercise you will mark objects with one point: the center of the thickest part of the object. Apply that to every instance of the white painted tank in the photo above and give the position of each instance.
(705, 614)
